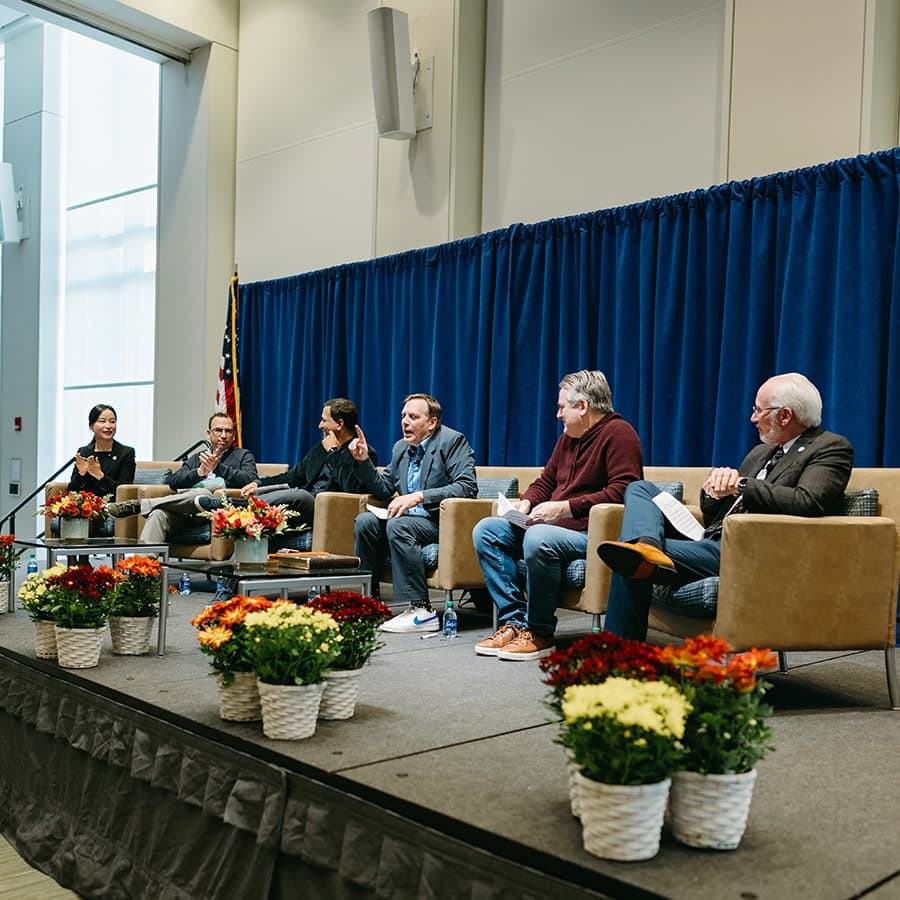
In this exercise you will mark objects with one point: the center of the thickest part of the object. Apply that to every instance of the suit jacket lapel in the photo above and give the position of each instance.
(796, 456)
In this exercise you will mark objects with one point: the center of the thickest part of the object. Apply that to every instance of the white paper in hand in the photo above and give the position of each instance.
(679, 516)
(378, 511)
(507, 511)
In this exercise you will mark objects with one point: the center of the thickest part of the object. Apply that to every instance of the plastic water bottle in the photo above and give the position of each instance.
(184, 584)
(32, 565)
(449, 628)
(222, 590)
(312, 592)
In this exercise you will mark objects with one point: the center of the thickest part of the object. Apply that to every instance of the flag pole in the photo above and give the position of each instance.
(234, 362)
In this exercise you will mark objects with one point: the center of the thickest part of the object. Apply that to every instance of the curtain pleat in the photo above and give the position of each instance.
(687, 303)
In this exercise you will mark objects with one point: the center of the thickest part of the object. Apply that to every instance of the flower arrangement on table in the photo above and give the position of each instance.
(292, 644)
(82, 596)
(624, 731)
(138, 592)
(254, 521)
(596, 657)
(9, 557)
(35, 596)
(75, 505)
(727, 731)
(358, 618)
(223, 636)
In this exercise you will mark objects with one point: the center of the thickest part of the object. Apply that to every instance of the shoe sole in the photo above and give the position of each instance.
(628, 562)
(510, 656)
(486, 651)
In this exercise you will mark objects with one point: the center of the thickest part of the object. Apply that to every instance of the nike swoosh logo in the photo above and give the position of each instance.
(418, 621)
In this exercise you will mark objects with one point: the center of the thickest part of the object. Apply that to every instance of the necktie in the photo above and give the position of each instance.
(777, 455)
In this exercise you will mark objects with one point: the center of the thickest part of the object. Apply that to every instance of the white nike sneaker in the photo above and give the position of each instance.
(414, 619)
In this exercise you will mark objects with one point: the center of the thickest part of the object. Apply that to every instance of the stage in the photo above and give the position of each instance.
(121, 781)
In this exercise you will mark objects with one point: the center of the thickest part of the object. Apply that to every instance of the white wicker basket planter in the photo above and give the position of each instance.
(4, 596)
(710, 811)
(290, 712)
(239, 702)
(130, 634)
(622, 821)
(340, 694)
(574, 769)
(79, 648)
(44, 639)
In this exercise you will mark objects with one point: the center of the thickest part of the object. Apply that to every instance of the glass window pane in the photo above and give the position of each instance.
(113, 120)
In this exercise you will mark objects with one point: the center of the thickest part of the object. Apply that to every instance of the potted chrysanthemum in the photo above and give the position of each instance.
(80, 601)
(292, 647)
(223, 637)
(250, 527)
(592, 660)
(38, 601)
(358, 618)
(9, 560)
(725, 737)
(135, 604)
(75, 510)
(625, 735)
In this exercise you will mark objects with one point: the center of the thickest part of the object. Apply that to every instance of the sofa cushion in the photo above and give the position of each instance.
(488, 488)
(699, 598)
(194, 531)
(151, 476)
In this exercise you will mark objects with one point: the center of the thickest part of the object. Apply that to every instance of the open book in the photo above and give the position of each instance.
(507, 511)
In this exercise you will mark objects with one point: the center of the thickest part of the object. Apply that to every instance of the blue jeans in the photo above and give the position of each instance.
(629, 598)
(546, 549)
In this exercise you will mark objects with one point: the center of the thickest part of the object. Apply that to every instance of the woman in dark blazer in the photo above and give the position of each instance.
(103, 464)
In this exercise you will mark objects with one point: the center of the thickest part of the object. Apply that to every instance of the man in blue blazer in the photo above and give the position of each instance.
(431, 463)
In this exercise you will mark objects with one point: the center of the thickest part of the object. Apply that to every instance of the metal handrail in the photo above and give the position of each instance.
(11, 516)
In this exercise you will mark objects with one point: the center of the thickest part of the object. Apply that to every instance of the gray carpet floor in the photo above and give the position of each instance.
(469, 737)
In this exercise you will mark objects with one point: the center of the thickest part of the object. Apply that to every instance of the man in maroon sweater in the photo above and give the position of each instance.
(596, 457)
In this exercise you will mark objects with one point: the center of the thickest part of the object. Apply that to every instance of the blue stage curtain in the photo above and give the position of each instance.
(687, 303)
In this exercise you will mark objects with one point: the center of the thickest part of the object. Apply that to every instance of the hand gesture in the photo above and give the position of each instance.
(81, 464)
(93, 467)
(248, 490)
(359, 449)
(208, 462)
(329, 441)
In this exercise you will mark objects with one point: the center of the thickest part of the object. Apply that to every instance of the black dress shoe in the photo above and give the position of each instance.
(124, 508)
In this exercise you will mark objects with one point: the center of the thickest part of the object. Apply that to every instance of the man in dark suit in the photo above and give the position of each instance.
(798, 470)
(221, 466)
(431, 463)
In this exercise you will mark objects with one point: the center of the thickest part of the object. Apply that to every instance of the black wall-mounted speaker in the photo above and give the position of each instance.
(392, 73)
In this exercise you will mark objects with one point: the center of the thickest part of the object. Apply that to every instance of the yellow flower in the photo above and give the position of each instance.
(652, 705)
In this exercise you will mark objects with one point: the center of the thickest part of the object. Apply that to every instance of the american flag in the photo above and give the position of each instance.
(228, 397)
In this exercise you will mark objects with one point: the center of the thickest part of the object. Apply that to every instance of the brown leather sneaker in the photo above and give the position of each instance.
(634, 560)
(526, 646)
(498, 640)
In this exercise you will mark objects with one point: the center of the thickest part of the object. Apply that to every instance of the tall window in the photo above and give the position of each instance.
(112, 126)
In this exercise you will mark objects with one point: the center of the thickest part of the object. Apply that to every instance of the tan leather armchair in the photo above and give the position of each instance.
(836, 588)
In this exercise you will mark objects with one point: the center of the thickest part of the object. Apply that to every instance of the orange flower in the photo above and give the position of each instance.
(214, 637)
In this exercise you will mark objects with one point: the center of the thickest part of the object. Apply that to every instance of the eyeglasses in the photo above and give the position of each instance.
(222, 430)
(759, 410)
